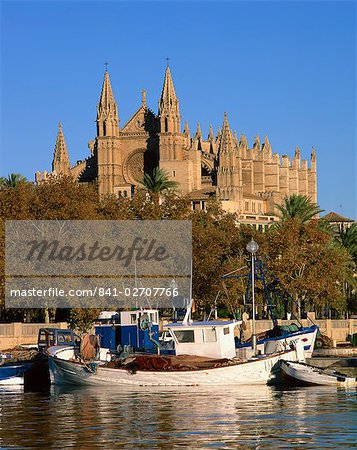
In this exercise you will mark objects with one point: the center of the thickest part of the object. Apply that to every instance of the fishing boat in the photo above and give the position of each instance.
(303, 374)
(205, 354)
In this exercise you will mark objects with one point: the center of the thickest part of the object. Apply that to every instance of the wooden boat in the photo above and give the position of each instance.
(204, 355)
(304, 374)
(260, 370)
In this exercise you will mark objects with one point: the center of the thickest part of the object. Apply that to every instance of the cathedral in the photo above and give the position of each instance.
(246, 180)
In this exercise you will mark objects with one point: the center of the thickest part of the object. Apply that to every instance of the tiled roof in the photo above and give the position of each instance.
(334, 217)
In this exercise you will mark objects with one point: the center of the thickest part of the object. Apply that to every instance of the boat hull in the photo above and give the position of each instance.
(13, 373)
(257, 371)
(306, 375)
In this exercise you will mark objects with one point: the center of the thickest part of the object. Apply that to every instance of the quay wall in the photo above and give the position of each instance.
(16, 333)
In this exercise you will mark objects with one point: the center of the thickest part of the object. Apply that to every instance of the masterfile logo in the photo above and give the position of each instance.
(106, 260)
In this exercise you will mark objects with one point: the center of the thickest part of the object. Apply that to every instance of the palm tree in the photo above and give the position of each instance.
(298, 206)
(158, 182)
(348, 240)
(12, 180)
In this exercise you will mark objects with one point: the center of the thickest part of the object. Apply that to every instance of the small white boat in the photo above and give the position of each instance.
(304, 374)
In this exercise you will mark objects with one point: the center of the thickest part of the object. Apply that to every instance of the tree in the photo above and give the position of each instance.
(12, 180)
(298, 206)
(159, 182)
(61, 198)
(347, 239)
(81, 319)
(308, 263)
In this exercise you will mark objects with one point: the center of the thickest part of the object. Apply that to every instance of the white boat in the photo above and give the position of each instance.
(307, 336)
(206, 356)
(302, 373)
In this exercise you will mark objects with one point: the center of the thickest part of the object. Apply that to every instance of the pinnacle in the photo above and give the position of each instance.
(168, 95)
(107, 97)
(313, 154)
(60, 156)
(210, 134)
(256, 142)
(243, 140)
(235, 137)
(227, 139)
(143, 97)
(267, 146)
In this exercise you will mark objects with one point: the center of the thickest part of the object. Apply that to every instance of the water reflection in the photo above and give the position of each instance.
(196, 417)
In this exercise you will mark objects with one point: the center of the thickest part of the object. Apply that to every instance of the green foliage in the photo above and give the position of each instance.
(348, 240)
(298, 207)
(81, 319)
(312, 266)
(12, 180)
(159, 181)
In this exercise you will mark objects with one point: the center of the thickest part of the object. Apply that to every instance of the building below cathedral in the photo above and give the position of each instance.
(247, 180)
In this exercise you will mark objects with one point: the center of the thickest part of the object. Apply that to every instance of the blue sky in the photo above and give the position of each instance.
(286, 69)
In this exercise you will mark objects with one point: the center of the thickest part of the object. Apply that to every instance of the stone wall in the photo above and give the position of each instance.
(12, 334)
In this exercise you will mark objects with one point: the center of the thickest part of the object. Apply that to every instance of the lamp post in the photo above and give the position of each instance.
(252, 248)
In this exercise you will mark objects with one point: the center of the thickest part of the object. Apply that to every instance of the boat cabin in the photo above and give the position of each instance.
(48, 337)
(214, 339)
(128, 330)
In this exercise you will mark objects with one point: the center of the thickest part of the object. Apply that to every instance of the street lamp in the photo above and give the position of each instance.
(252, 248)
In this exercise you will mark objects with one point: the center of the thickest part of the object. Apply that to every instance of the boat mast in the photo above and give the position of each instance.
(252, 248)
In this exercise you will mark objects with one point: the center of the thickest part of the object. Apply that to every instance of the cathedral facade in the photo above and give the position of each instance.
(246, 180)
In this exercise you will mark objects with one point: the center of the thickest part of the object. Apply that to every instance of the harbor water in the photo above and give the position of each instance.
(170, 417)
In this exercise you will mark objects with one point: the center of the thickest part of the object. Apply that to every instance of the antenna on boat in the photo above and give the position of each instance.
(188, 317)
(252, 247)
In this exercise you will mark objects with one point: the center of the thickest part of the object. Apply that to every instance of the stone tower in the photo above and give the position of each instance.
(107, 145)
(175, 158)
(60, 163)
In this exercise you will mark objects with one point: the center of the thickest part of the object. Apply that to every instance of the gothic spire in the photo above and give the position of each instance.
(226, 143)
(107, 110)
(168, 95)
(106, 101)
(60, 163)
(169, 110)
